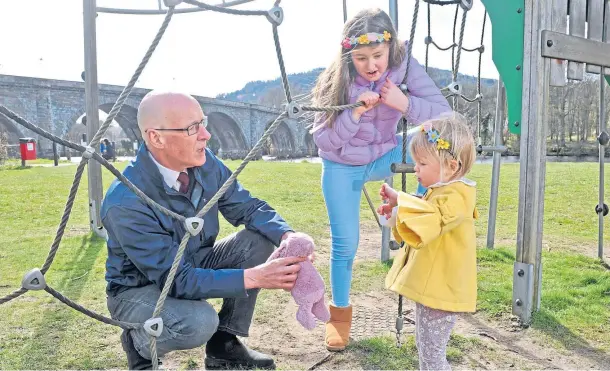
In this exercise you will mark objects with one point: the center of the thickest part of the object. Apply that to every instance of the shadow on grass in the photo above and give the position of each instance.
(42, 348)
(547, 323)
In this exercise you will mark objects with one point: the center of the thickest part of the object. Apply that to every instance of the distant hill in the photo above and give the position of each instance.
(270, 92)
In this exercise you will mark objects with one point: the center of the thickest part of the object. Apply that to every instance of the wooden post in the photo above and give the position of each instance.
(559, 24)
(578, 13)
(528, 269)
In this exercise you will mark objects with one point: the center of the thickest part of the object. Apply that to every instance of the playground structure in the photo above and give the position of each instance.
(527, 65)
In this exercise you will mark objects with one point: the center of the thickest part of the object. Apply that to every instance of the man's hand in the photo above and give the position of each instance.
(277, 274)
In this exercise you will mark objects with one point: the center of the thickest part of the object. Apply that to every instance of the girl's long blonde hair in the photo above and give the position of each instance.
(452, 128)
(332, 86)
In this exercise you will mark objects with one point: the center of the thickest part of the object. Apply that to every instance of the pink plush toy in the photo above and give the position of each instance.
(308, 290)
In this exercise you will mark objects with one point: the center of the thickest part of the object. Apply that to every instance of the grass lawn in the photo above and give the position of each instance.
(38, 332)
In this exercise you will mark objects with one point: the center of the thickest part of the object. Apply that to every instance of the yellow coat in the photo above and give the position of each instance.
(437, 267)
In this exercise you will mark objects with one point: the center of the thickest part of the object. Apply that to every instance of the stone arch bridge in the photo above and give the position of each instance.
(56, 105)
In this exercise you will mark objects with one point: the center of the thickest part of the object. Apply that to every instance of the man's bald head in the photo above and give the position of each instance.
(162, 109)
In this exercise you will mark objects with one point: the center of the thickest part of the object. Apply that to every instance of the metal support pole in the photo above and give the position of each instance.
(94, 169)
(394, 13)
(344, 11)
(495, 172)
(536, 72)
(386, 233)
(602, 152)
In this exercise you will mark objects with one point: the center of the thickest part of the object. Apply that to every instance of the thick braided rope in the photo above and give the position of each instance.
(65, 218)
(459, 46)
(225, 10)
(457, 9)
(228, 183)
(429, 35)
(332, 108)
(25, 123)
(459, 54)
(440, 2)
(280, 59)
(127, 90)
(479, 104)
(404, 140)
(13, 295)
(404, 81)
(92, 314)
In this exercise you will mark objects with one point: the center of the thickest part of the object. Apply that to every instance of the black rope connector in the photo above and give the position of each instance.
(466, 5)
(294, 110)
(479, 149)
(275, 15)
(404, 88)
(481, 49)
(478, 97)
(602, 209)
(428, 40)
(603, 138)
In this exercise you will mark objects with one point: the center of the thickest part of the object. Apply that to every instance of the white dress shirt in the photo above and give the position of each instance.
(169, 176)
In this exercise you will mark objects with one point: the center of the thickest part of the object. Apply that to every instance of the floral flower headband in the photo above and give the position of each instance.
(366, 38)
(435, 137)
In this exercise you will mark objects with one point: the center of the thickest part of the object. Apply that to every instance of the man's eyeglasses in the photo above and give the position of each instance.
(192, 129)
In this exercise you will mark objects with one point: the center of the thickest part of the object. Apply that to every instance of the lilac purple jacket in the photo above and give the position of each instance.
(361, 142)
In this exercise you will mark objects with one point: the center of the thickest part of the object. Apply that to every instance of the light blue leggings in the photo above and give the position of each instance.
(342, 187)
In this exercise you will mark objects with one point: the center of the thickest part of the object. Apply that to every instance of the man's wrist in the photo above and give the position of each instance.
(250, 281)
(286, 235)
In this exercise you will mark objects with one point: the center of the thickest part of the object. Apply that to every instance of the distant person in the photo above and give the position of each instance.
(437, 268)
(107, 150)
(175, 169)
(359, 145)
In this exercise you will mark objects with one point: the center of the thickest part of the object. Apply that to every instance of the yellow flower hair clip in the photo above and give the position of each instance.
(434, 137)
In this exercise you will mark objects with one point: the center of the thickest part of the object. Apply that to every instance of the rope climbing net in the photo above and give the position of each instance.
(35, 279)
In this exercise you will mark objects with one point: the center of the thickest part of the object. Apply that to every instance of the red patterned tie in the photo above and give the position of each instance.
(183, 178)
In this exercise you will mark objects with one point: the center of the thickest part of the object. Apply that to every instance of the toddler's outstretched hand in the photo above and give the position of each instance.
(389, 195)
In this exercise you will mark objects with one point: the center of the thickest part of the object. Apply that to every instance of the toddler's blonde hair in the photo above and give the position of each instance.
(454, 129)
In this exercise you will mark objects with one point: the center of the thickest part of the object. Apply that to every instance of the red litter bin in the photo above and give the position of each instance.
(28, 149)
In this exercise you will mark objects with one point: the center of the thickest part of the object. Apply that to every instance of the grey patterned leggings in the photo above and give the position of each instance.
(432, 330)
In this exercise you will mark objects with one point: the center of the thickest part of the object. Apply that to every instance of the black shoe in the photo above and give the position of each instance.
(225, 351)
(134, 360)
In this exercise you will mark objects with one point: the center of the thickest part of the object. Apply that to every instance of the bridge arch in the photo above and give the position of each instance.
(281, 143)
(228, 140)
(11, 129)
(127, 120)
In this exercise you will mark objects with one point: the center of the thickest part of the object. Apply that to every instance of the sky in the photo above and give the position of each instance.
(209, 53)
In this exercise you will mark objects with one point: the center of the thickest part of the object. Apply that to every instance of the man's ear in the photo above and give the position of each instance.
(155, 139)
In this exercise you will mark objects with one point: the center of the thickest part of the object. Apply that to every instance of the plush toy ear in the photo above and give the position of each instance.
(279, 252)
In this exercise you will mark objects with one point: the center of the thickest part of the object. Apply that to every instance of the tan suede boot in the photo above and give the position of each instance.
(338, 328)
